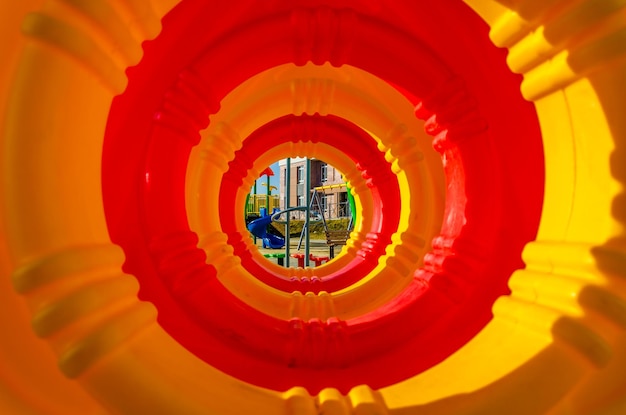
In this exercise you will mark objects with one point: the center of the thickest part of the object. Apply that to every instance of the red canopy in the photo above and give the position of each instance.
(267, 171)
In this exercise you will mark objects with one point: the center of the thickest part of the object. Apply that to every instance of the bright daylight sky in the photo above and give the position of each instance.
(274, 181)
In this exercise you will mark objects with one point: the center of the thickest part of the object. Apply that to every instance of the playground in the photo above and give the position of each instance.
(310, 219)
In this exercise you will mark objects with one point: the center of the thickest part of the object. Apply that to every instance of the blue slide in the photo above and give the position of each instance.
(258, 228)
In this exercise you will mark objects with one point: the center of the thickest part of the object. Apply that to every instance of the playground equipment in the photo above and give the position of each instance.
(313, 217)
(258, 228)
(255, 202)
(336, 237)
(82, 209)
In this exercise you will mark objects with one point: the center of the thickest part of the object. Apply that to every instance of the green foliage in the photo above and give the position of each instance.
(317, 228)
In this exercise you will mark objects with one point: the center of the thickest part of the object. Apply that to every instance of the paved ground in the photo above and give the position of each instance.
(316, 247)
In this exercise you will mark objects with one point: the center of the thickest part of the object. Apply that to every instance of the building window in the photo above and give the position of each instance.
(301, 200)
(344, 205)
(324, 172)
(300, 174)
(325, 204)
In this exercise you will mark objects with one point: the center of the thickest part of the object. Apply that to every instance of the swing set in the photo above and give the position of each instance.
(334, 237)
(314, 213)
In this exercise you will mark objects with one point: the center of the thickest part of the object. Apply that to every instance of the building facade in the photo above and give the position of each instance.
(328, 190)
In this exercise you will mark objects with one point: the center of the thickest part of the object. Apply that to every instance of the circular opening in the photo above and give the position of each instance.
(332, 139)
(300, 208)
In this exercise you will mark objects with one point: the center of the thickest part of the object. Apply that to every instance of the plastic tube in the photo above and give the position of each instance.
(558, 326)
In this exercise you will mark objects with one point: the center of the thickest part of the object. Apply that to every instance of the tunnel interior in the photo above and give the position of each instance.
(466, 273)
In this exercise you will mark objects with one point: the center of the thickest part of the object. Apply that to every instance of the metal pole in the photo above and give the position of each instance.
(269, 192)
(254, 198)
(287, 206)
(254, 203)
(307, 189)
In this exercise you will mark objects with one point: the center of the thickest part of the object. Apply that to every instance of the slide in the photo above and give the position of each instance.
(484, 142)
(259, 228)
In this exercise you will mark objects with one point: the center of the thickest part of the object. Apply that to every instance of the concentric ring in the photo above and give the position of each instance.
(559, 320)
(435, 293)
